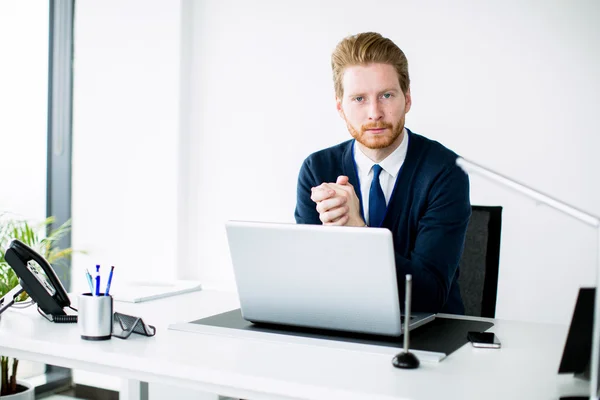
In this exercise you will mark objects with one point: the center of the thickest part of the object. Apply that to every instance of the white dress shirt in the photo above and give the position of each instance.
(387, 178)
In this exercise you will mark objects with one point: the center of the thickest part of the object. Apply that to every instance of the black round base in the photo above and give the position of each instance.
(405, 360)
(95, 337)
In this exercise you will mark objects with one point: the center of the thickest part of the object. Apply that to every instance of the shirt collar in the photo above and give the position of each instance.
(391, 164)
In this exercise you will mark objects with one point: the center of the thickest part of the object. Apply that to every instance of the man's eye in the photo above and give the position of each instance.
(359, 99)
(387, 95)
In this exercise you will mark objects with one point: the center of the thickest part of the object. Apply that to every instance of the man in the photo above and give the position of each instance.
(388, 176)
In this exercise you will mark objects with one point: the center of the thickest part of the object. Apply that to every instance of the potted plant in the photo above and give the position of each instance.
(46, 245)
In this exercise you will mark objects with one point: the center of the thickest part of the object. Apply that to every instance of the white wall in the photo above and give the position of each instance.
(512, 85)
(125, 137)
(23, 109)
(125, 148)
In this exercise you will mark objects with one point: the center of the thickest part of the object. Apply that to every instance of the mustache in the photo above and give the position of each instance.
(376, 125)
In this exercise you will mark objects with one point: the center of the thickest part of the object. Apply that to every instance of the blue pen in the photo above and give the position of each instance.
(97, 280)
(90, 282)
(109, 280)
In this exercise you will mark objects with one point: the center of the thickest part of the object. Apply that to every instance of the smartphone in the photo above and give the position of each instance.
(484, 339)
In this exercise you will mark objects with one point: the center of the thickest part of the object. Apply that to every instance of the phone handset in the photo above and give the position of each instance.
(37, 278)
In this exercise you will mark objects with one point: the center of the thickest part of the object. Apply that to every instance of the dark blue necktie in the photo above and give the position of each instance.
(377, 204)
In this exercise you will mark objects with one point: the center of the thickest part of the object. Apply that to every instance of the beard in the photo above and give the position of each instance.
(380, 140)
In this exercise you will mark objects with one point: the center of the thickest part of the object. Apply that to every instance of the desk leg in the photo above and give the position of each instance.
(132, 389)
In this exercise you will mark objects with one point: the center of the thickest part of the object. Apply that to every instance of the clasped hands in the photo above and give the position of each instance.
(337, 203)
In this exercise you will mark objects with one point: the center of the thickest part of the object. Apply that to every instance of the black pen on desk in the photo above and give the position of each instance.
(109, 280)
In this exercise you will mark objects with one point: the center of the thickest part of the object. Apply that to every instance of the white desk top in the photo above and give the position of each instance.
(525, 367)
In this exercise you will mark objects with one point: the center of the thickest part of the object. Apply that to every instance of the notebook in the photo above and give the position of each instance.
(135, 292)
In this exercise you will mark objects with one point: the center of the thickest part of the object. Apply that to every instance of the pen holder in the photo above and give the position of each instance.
(95, 316)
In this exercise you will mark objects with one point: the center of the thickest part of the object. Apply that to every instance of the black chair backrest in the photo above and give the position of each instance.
(478, 279)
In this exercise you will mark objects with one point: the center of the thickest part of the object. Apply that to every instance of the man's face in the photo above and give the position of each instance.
(373, 104)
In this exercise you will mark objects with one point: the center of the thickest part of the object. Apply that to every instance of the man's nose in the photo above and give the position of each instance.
(375, 111)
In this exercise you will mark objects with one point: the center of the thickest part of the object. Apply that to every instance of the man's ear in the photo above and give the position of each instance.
(338, 106)
(408, 100)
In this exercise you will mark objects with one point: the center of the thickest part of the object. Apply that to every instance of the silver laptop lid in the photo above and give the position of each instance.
(316, 276)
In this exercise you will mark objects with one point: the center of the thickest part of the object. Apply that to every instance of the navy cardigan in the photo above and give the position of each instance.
(427, 214)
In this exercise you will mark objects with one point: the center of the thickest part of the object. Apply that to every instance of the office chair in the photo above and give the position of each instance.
(478, 279)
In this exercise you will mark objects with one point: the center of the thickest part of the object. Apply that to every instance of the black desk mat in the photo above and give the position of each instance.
(442, 335)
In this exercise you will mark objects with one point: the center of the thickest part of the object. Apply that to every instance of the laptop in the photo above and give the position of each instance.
(315, 276)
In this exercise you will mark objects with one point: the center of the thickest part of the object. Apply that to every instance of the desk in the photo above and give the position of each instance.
(255, 369)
